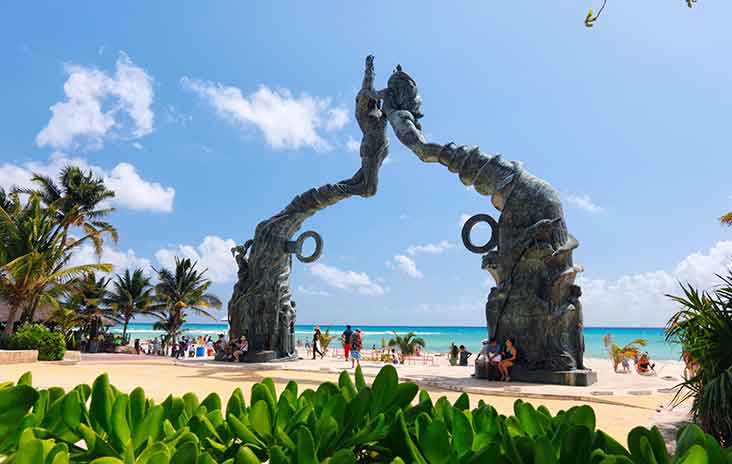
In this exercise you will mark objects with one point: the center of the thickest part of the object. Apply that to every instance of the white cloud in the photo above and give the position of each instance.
(134, 192)
(337, 119)
(214, 254)
(312, 291)
(286, 121)
(120, 260)
(100, 106)
(131, 190)
(430, 248)
(137, 145)
(406, 265)
(639, 299)
(346, 280)
(353, 145)
(173, 116)
(583, 202)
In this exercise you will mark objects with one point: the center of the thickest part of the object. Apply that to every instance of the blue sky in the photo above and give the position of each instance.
(209, 117)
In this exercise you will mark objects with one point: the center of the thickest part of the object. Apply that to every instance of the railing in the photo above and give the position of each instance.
(375, 355)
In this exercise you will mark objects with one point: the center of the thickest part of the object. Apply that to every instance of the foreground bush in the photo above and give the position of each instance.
(343, 423)
(703, 328)
(50, 345)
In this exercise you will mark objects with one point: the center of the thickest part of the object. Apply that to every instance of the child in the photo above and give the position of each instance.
(464, 355)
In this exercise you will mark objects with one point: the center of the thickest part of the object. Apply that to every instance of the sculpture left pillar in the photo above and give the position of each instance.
(261, 306)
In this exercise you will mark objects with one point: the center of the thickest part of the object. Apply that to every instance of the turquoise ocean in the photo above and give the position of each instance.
(439, 338)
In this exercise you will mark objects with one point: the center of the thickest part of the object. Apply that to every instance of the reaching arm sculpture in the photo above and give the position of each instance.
(261, 307)
(530, 251)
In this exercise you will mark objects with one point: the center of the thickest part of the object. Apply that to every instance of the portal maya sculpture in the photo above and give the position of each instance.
(535, 299)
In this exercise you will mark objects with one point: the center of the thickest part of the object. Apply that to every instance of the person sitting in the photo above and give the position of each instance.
(644, 366)
(509, 358)
(464, 355)
(395, 357)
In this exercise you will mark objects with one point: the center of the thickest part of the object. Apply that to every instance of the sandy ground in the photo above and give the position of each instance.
(617, 414)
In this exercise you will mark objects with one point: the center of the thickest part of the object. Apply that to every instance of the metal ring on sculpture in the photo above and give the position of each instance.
(468, 227)
(318, 246)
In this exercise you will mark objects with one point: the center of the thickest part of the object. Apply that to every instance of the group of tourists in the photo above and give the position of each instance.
(352, 341)
(501, 358)
(643, 365)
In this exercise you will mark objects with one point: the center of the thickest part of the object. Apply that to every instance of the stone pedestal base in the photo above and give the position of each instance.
(260, 356)
(577, 378)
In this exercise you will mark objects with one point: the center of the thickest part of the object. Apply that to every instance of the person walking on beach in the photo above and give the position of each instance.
(346, 339)
(356, 346)
(464, 355)
(316, 343)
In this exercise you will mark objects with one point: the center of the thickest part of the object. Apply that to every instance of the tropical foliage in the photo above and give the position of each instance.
(182, 290)
(343, 423)
(325, 339)
(51, 346)
(35, 258)
(41, 231)
(703, 327)
(618, 353)
(407, 343)
(131, 295)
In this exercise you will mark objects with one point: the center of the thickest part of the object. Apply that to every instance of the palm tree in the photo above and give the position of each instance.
(408, 343)
(703, 327)
(87, 298)
(77, 200)
(178, 291)
(619, 353)
(132, 295)
(34, 259)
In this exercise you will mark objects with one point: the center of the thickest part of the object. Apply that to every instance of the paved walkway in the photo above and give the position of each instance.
(455, 378)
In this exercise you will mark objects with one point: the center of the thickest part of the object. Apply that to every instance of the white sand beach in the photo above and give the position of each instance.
(621, 401)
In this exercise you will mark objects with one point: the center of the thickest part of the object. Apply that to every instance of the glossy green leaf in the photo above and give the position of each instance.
(462, 432)
(434, 443)
(25, 379)
(138, 406)
(102, 400)
(212, 402)
(462, 402)
(120, 429)
(244, 433)
(305, 447)
(360, 381)
(235, 405)
(261, 420)
(186, 453)
(544, 452)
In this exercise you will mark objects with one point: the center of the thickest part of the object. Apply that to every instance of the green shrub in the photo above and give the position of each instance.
(50, 345)
(348, 422)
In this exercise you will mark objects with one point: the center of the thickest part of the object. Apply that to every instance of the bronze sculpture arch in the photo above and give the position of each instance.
(535, 299)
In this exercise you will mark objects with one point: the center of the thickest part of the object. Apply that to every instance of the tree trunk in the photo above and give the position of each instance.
(12, 314)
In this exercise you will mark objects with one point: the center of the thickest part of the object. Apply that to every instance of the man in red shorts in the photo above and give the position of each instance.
(346, 340)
